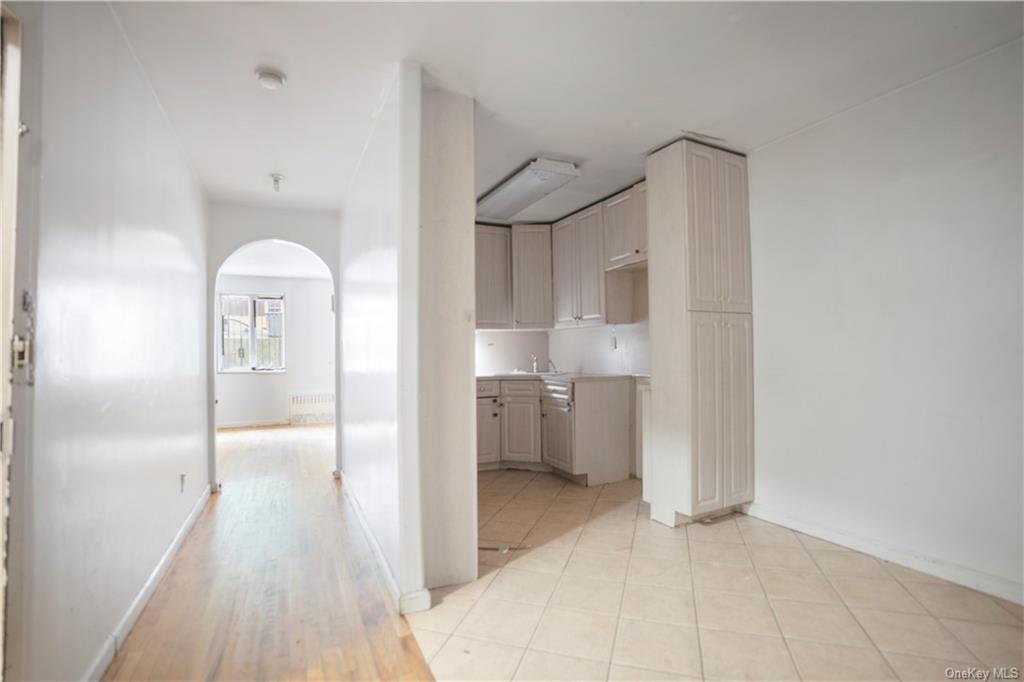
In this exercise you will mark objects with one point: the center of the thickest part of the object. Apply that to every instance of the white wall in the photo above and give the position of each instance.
(447, 410)
(500, 352)
(887, 325)
(378, 281)
(252, 398)
(112, 210)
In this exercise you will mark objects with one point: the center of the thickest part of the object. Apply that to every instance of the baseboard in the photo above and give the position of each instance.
(106, 654)
(378, 553)
(252, 422)
(940, 568)
(411, 602)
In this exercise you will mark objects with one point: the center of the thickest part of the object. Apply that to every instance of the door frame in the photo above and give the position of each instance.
(10, 132)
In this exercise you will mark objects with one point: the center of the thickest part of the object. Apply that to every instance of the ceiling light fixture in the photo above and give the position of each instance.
(525, 187)
(277, 178)
(271, 79)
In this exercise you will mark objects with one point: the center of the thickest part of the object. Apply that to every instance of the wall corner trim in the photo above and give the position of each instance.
(940, 568)
(411, 602)
(110, 646)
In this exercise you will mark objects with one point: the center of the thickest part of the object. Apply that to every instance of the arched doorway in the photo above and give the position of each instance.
(273, 366)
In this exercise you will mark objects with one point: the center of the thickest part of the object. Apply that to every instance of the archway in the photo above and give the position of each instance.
(273, 370)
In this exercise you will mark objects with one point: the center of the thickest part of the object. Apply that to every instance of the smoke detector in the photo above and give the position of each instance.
(271, 79)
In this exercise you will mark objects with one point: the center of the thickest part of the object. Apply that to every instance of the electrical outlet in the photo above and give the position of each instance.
(183, 483)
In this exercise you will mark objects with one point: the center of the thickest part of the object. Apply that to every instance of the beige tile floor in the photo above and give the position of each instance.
(603, 593)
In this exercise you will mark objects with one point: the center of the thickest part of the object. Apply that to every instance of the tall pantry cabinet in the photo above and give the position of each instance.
(702, 454)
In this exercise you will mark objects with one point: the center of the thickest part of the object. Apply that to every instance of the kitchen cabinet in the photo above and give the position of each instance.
(701, 394)
(493, 277)
(531, 277)
(520, 429)
(717, 225)
(488, 431)
(586, 427)
(578, 269)
(625, 227)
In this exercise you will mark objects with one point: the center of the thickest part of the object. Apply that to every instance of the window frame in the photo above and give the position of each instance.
(252, 298)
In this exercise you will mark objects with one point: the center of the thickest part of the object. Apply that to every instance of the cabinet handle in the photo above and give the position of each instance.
(494, 400)
(495, 414)
(636, 250)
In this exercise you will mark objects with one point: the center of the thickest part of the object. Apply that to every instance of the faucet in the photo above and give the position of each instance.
(534, 362)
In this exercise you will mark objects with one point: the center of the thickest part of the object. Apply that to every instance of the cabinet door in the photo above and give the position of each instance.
(707, 400)
(493, 277)
(620, 215)
(531, 276)
(737, 408)
(563, 263)
(488, 431)
(520, 429)
(556, 431)
(733, 233)
(702, 227)
(590, 267)
(641, 220)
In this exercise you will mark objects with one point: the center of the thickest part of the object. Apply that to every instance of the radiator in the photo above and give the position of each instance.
(311, 408)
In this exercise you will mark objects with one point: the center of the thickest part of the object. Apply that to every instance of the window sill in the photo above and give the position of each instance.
(251, 371)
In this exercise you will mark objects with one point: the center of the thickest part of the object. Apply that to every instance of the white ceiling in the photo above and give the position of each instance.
(275, 258)
(595, 83)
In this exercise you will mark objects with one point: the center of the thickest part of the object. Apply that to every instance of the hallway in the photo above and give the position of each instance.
(276, 580)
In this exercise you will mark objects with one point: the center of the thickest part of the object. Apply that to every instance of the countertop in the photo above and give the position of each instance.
(560, 376)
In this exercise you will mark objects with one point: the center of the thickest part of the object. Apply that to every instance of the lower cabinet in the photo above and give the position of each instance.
(520, 429)
(556, 434)
(488, 431)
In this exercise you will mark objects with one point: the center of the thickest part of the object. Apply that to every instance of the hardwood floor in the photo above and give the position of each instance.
(276, 580)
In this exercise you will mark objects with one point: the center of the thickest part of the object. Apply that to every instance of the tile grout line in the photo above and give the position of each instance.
(842, 600)
(771, 606)
(693, 594)
(497, 572)
(625, 579)
(547, 603)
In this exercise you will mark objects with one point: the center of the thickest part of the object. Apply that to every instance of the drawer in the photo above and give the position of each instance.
(559, 390)
(487, 389)
(527, 388)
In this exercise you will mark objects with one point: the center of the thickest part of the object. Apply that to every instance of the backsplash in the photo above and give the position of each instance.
(499, 352)
(589, 349)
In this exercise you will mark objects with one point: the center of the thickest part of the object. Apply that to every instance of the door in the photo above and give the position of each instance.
(488, 431)
(641, 220)
(708, 495)
(702, 227)
(531, 276)
(520, 429)
(738, 408)
(556, 428)
(493, 277)
(563, 265)
(590, 267)
(620, 216)
(733, 233)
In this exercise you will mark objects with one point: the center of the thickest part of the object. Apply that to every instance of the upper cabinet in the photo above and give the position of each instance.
(531, 277)
(577, 246)
(718, 230)
(493, 277)
(625, 227)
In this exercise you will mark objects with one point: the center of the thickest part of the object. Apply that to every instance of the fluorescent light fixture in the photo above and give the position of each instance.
(525, 187)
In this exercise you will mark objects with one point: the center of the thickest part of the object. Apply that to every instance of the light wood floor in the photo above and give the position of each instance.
(275, 581)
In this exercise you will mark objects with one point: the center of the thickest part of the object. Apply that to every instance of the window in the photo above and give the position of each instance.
(251, 333)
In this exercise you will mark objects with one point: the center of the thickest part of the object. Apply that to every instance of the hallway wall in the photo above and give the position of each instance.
(253, 398)
(112, 210)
